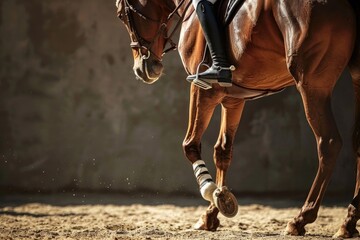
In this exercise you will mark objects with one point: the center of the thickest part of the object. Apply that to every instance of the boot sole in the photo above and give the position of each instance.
(207, 82)
(211, 81)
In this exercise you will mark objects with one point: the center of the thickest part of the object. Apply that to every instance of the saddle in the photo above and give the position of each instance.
(231, 7)
(227, 10)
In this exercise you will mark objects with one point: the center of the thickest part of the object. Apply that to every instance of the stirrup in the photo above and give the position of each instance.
(201, 84)
(198, 82)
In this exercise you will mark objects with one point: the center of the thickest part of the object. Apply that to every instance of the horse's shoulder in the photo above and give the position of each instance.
(295, 11)
(293, 18)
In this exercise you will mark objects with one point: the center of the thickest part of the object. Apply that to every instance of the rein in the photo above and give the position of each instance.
(138, 42)
(168, 38)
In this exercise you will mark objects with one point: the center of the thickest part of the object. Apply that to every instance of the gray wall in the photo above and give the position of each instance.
(72, 115)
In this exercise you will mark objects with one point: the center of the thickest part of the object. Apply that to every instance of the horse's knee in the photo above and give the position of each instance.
(192, 150)
(329, 148)
(222, 151)
(222, 154)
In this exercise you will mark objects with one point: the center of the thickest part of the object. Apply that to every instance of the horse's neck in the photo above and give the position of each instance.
(171, 4)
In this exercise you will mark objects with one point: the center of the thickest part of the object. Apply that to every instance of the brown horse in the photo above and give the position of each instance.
(273, 44)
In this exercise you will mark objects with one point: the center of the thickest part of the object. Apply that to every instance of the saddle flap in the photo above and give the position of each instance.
(228, 9)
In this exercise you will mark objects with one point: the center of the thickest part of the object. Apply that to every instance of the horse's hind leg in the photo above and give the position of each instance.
(348, 228)
(318, 111)
(318, 64)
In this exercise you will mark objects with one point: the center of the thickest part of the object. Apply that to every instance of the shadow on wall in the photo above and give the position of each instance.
(74, 117)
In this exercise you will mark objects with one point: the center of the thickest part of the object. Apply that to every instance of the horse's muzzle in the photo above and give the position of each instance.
(148, 70)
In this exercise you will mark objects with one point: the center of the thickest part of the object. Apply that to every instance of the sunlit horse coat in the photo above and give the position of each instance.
(273, 44)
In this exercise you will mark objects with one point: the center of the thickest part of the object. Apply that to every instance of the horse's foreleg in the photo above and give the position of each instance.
(318, 111)
(231, 112)
(202, 105)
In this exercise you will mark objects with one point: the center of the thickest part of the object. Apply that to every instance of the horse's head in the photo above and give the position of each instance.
(147, 24)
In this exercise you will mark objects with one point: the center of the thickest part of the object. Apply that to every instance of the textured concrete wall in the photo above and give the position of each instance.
(73, 116)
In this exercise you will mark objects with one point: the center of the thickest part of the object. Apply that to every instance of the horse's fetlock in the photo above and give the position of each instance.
(309, 216)
(207, 191)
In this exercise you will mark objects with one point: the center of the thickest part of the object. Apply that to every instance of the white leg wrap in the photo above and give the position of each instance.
(204, 179)
(207, 191)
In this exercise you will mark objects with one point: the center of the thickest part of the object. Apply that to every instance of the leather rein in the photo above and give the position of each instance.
(141, 44)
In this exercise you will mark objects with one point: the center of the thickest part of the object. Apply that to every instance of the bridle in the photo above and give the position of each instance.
(138, 42)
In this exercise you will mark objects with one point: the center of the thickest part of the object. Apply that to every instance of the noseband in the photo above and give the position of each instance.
(138, 42)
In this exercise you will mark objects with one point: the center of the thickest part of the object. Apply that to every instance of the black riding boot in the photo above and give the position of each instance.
(214, 34)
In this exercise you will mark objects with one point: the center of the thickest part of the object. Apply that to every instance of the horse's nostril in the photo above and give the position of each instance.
(138, 73)
(157, 68)
(148, 71)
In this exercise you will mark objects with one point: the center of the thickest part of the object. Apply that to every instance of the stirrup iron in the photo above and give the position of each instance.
(201, 84)
(198, 82)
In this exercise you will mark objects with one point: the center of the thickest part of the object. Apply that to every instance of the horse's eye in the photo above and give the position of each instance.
(121, 16)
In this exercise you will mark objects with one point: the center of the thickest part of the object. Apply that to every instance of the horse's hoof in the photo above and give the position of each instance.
(226, 202)
(344, 233)
(293, 230)
(204, 224)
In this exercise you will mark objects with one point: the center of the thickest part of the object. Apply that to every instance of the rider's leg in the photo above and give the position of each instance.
(214, 34)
